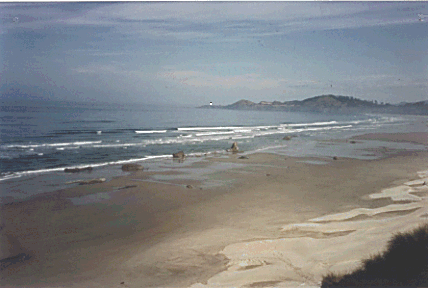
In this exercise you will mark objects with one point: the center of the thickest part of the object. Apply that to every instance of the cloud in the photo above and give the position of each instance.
(251, 80)
(95, 52)
(113, 69)
(380, 82)
(205, 77)
(219, 12)
(202, 79)
(207, 21)
(30, 16)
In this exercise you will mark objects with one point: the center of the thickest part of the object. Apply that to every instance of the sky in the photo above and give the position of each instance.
(193, 53)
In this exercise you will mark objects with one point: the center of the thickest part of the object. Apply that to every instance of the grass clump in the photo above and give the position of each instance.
(403, 264)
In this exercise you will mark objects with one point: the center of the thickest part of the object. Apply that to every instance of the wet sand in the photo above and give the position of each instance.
(417, 138)
(271, 221)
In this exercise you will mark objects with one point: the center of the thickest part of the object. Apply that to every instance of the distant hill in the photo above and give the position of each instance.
(242, 104)
(329, 103)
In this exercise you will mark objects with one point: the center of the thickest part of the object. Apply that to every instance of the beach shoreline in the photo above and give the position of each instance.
(157, 232)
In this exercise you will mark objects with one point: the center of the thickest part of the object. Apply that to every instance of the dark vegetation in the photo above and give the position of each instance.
(403, 264)
(329, 103)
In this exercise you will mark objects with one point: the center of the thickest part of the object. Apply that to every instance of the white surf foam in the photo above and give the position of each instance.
(310, 124)
(213, 133)
(118, 145)
(242, 137)
(149, 131)
(94, 165)
(209, 128)
(80, 143)
(220, 135)
(257, 131)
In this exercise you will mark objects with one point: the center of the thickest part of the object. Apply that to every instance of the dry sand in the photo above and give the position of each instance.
(274, 222)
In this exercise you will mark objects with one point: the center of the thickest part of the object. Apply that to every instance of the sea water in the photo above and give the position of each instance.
(40, 139)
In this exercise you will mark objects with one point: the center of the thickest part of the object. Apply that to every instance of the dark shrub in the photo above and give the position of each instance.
(403, 264)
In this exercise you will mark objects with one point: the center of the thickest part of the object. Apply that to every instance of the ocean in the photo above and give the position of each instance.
(40, 139)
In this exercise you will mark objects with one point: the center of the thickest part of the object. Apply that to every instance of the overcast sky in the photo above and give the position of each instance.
(196, 52)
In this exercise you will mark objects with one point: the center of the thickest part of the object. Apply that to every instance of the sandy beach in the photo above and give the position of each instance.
(213, 145)
(266, 221)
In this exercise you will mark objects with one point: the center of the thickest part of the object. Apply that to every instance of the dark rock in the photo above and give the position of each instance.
(178, 155)
(126, 187)
(189, 186)
(234, 148)
(267, 174)
(287, 138)
(132, 167)
(122, 282)
(244, 157)
(335, 158)
(76, 170)
(92, 181)
(352, 142)
(20, 258)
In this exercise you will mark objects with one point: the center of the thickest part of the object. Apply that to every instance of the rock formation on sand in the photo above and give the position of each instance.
(234, 148)
(92, 181)
(287, 138)
(179, 155)
(76, 170)
(86, 182)
(132, 167)
(127, 187)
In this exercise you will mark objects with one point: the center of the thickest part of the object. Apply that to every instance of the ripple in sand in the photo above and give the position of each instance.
(381, 215)
(315, 234)
(305, 251)
(399, 193)
(262, 284)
